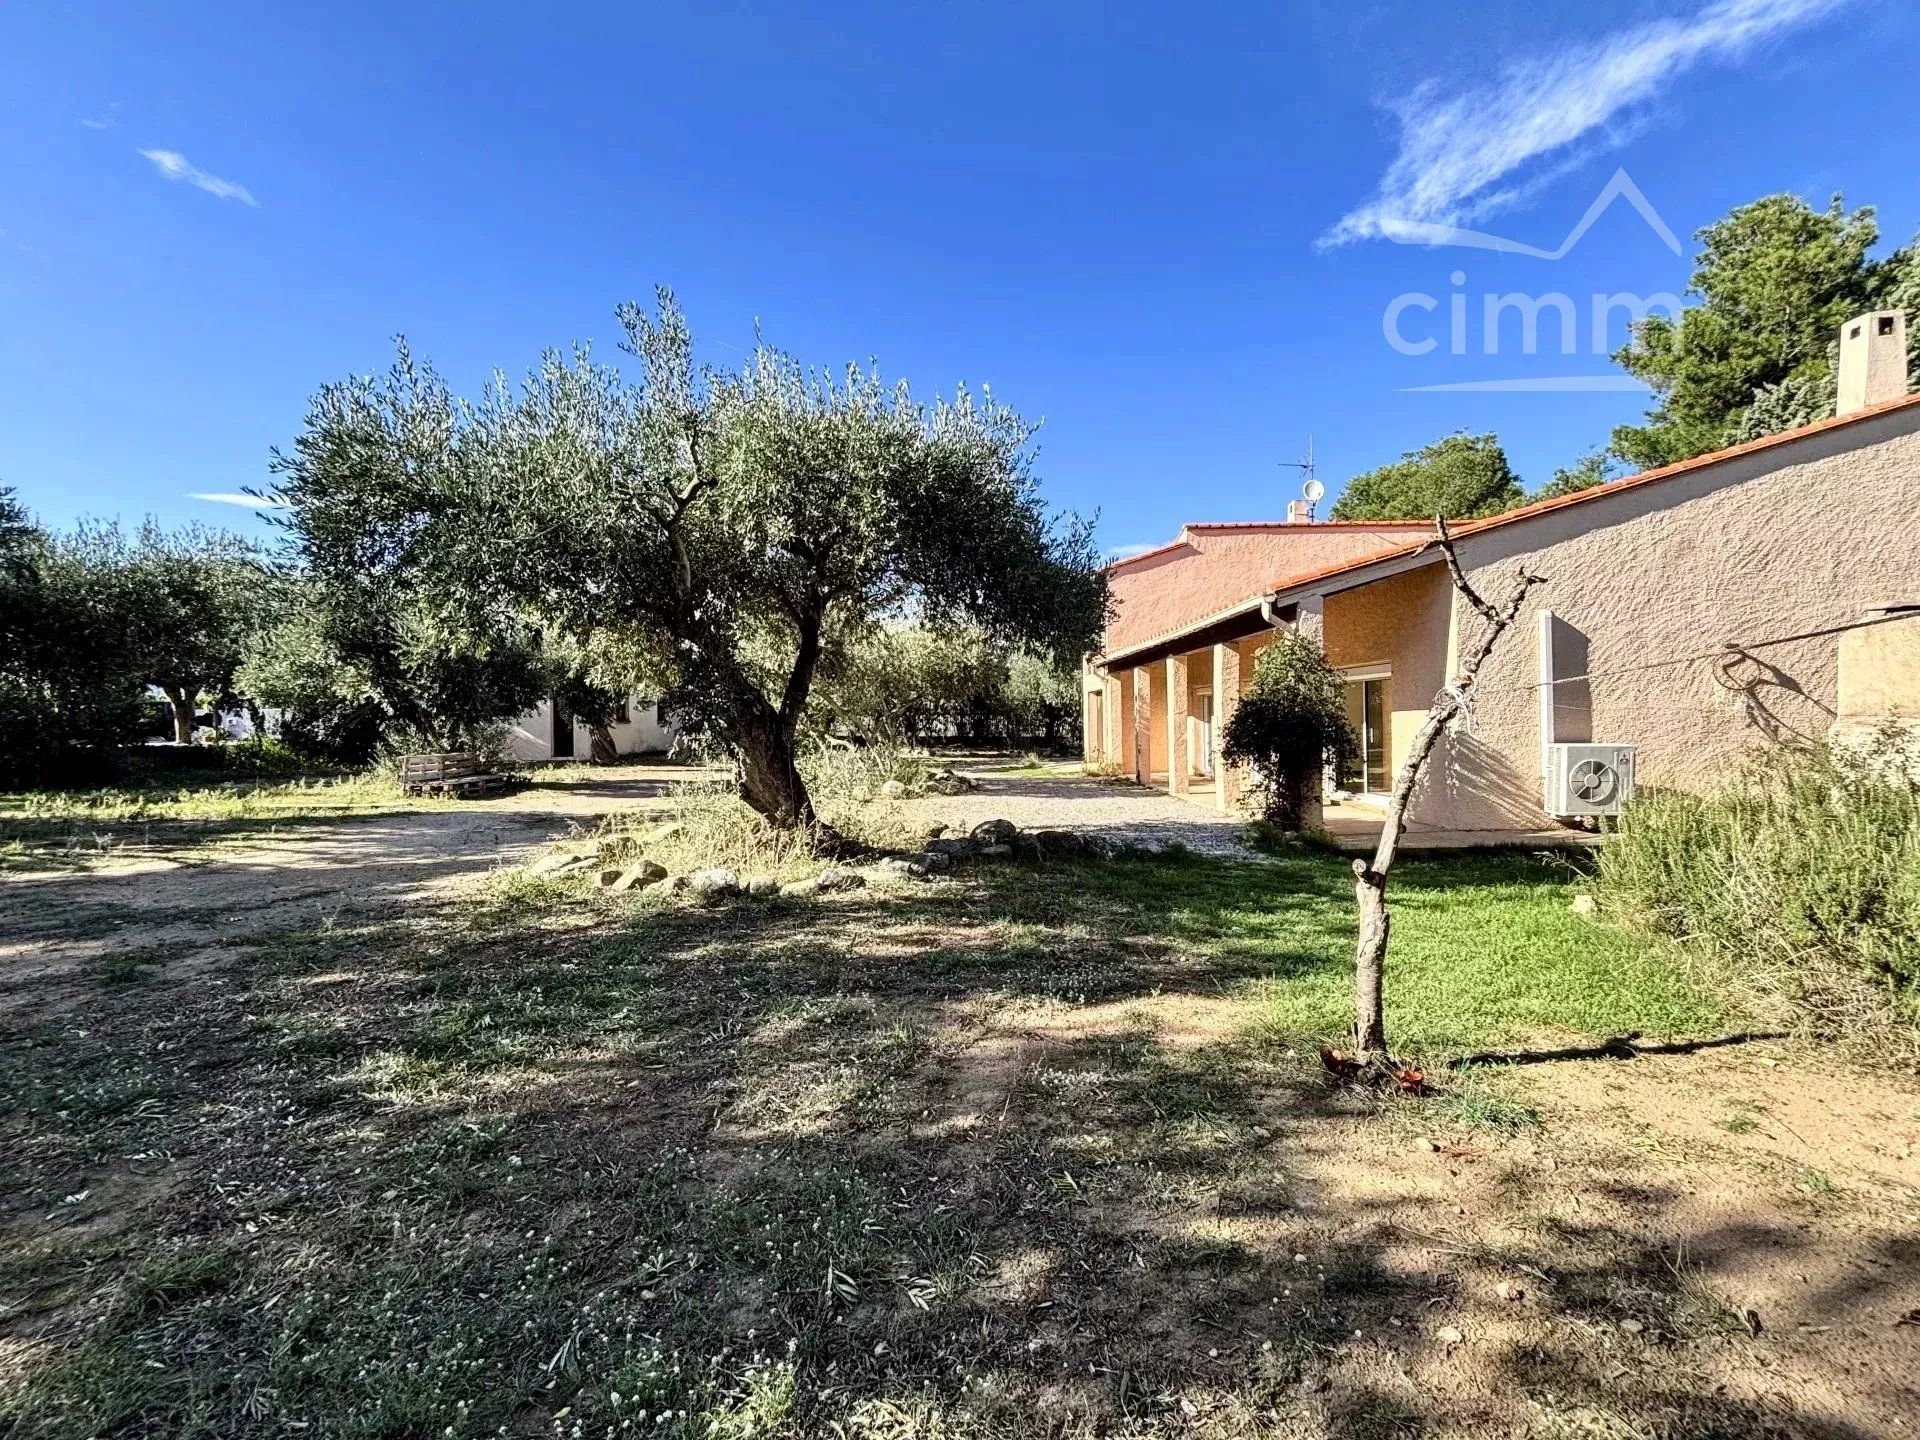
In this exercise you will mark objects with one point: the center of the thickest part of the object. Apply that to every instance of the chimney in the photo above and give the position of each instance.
(1299, 512)
(1873, 361)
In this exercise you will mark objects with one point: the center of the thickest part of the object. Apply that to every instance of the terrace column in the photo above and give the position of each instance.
(1178, 763)
(1226, 694)
(1143, 725)
(1310, 619)
(1112, 747)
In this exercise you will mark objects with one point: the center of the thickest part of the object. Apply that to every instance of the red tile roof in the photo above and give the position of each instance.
(1278, 526)
(1464, 528)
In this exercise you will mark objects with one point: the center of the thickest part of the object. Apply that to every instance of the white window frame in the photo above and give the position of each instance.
(1354, 675)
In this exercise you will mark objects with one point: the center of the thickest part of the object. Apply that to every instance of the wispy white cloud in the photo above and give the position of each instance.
(175, 166)
(103, 122)
(234, 497)
(1468, 153)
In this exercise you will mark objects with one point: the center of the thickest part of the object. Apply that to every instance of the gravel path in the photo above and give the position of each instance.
(1117, 808)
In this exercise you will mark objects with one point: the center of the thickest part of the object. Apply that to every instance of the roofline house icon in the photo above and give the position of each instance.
(1621, 186)
(1487, 329)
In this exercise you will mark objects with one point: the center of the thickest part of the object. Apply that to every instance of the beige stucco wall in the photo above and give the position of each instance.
(1797, 537)
(1400, 622)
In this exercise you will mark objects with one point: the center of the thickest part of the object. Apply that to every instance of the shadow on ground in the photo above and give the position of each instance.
(993, 1158)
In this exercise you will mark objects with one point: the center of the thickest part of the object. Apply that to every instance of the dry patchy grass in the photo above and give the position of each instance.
(1038, 1151)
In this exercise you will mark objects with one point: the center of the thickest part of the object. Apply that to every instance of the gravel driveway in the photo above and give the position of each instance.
(1116, 808)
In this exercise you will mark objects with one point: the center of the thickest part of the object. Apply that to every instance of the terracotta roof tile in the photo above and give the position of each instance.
(1464, 528)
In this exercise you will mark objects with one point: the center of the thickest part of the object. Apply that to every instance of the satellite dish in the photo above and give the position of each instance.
(1313, 490)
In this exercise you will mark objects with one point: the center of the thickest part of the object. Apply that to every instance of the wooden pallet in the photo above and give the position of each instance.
(451, 774)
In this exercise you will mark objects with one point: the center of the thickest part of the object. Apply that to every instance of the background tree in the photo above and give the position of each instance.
(200, 593)
(1596, 467)
(1042, 697)
(1289, 725)
(70, 684)
(904, 682)
(1459, 476)
(731, 523)
(354, 676)
(1775, 280)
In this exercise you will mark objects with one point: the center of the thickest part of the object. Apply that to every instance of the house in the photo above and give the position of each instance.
(549, 733)
(1691, 612)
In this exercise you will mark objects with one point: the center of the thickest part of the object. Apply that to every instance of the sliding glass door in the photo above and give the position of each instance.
(1366, 772)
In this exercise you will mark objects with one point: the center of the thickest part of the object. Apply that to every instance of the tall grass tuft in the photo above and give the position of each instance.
(1799, 881)
(841, 775)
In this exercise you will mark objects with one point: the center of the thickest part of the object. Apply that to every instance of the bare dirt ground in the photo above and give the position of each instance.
(195, 901)
(1007, 1155)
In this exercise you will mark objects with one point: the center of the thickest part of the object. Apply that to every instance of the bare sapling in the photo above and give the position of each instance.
(1370, 877)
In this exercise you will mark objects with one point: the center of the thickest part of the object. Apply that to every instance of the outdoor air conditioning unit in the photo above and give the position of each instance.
(1588, 779)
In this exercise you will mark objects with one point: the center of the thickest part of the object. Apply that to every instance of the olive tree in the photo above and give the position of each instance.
(725, 524)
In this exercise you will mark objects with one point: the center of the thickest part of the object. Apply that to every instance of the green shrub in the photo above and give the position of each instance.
(1800, 879)
(1289, 725)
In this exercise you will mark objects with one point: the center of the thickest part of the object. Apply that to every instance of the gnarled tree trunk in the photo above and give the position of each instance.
(601, 749)
(770, 773)
(180, 701)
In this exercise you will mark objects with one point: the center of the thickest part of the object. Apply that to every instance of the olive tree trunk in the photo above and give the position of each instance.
(180, 702)
(1370, 877)
(600, 748)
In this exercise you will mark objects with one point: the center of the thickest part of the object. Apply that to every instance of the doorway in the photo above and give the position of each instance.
(1365, 772)
(1201, 741)
(562, 732)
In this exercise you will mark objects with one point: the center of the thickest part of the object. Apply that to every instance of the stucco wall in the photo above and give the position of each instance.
(1400, 622)
(1218, 567)
(1805, 535)
(531, 737)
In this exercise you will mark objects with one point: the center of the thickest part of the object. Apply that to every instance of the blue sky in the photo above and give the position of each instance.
(1166, 231)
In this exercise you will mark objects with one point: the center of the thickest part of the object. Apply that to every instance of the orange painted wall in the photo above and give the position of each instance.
(1215, 567)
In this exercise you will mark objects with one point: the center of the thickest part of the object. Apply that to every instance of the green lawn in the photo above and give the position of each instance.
(538, 1163)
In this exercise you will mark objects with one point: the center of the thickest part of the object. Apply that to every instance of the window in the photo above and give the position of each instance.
(1366, 772)
(622, 715)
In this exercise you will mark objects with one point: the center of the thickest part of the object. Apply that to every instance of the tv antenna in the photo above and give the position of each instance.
(1311, 488)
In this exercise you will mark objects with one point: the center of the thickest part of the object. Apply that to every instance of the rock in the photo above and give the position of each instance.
(996, 852)
(606, 878)
(1633, 1327)
(952, 847)
(635, 876)
(1059, 844)
(714, 881)
(836, 878)
(1584, 905)
(801, 889)
(907, 867)
(892, 790)
(559, 864)
(1509, 1291)
(1448, 1335)
(672, 885)
(946, 782)
(936, 862)
(761, 886)
(995, 832)
(936, 830)
(661, 834)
